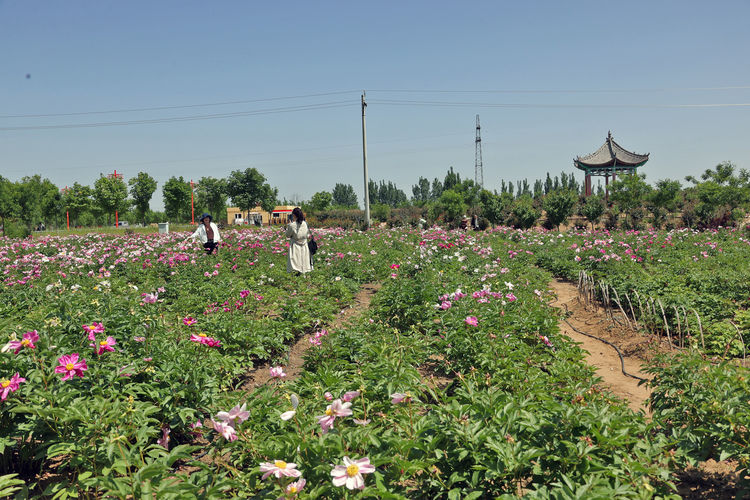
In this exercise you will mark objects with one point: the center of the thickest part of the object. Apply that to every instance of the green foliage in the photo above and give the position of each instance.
(321, 201)
(110, 194)
(523, 213)
(142, 188)
(559, 206)
(450, 207)
(211, 194)
(176, 194)
(593, 209)
(344, 196)
(249, 189)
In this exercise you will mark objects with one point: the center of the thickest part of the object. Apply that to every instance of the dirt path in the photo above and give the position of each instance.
(260, 375)
(600, 355)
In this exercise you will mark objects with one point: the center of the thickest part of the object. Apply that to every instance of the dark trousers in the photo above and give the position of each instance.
(210, 246)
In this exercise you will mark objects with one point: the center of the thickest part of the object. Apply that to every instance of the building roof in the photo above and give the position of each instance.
(609, 155)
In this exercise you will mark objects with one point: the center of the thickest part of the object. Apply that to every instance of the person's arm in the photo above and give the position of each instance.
(290, 230)
(196, 234)
(217, 236)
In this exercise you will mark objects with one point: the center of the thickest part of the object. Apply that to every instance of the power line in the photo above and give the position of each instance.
(564, 91)
(183, 106)
(397, 102)
(289, 109)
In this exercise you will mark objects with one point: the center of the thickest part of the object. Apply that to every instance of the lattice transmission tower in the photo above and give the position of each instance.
(478, 169)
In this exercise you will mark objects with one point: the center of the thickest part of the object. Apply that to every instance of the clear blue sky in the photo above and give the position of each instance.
(548, 79)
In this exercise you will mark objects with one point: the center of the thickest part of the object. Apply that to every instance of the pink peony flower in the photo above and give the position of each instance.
(244, 293)
(328, 396)
(335, 409)
(139, 339)
(471, 321)
(350, 474)
(398, 397)
(204, 339)
(104, 345)
(395, 266)
(10, 385)
(349, 396)
(293, 488)
(70, 366)
(279, 469)
(545, 340)
(277, 372)
(189, 321)
(149, 298)
(223, 428)
(27, 341)
(235, 416)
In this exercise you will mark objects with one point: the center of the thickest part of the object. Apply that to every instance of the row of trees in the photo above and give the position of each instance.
(32, 202)
(720, 196)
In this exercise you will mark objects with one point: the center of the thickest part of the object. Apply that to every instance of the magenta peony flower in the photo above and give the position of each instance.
(350, 474)
(27, 341)
(93, 329)
(104, 346)
(471, 321)
(70, 366)
(189, 321)
(10, 385)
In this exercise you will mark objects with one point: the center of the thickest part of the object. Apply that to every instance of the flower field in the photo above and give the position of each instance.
(126, 357)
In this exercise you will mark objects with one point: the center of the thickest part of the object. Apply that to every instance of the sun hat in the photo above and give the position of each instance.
(210, 219)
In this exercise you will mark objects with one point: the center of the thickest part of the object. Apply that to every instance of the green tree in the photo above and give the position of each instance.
(110, 194)
(663, 200)
(523, 213)
(421, 190)
(321, 201)
(559, 206)
(176, 193)
(629, 193)
(249, 189)
(211, 194)
(77, 201)
(451, 206)
(8, 201)
(593, 209)
(492, 207)
(344, 196)
(38, 201)
(142, 188)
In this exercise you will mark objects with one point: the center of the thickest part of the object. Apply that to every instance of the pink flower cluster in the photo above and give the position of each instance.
(227, 421)
(10, 385)
(204, 339)
(29, 340)
(315, 339)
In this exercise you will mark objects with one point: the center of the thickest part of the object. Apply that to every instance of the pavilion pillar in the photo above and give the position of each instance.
(606, 187)
(588, 184)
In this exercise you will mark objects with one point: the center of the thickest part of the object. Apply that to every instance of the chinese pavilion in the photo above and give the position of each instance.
(610, 159)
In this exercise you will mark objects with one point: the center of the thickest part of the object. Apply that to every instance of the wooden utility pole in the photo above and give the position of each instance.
(364, 161)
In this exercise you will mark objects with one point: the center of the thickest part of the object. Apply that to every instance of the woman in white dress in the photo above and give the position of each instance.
(299, 254)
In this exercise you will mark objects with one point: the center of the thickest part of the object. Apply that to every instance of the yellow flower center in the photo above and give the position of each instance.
(352, 470)
(202, 335)
(103, 343)
(280, 464)
(4, 383)
(69, 366)
(292, 489)
(25, 342)
(329, 412)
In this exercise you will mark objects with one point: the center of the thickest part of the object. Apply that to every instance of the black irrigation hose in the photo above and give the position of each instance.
(622, 359)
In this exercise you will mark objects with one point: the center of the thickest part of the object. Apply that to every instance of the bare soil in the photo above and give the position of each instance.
(260, 375)
(710, 480)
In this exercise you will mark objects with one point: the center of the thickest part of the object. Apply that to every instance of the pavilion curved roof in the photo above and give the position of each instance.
(609, 155)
